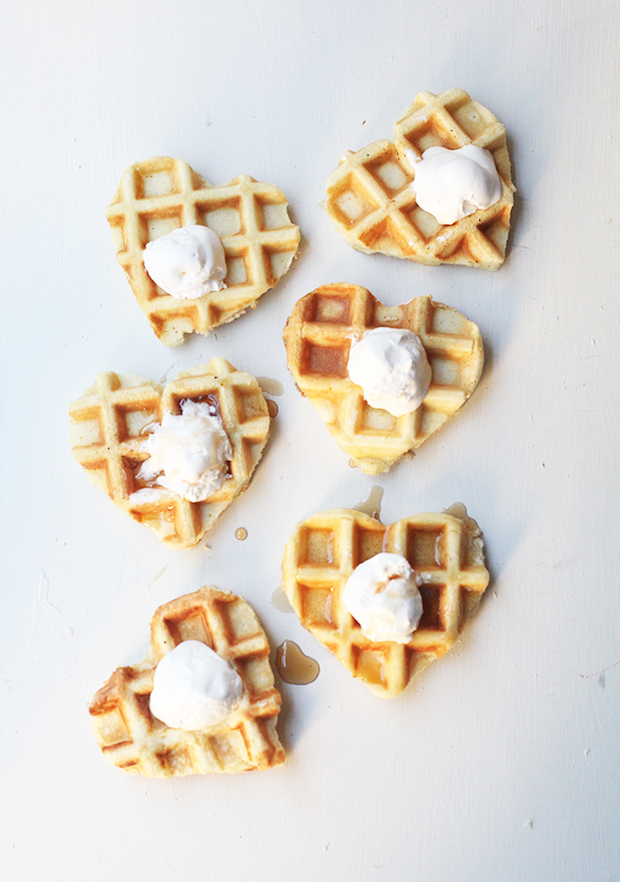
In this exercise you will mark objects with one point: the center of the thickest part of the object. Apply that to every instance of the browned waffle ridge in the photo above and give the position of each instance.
(324, 550)
(107, 425)
(159, 195)
(135, 741)
(373, 207)
(318, 336)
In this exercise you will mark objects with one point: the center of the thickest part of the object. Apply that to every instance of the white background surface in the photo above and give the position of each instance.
(501, 763)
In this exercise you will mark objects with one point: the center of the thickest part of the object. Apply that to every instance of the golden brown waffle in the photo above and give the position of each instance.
(107, 428)
(445, 550)
(318, 336)
(161, 194)
(135, 741)
(372, 205)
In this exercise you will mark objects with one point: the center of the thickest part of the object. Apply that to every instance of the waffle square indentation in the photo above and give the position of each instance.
(425, 223)
(445, 371)
(248, 405)
(330, 310)
(276, 261)
(352, 202)
(369, 664)
(374, 421)
(425, 548)
(472, 118)
(329, 361)
(229, 748)
(160, 183)
(176, 758)
(155, 226)
(224, 218)
(367, 542)
(274, 215)
(388, 172)
(238, 626)
(236, 273)
(316, 606)
(318, 548)
(193, 626)
(256, 674)
(431, 616)
(113, 727)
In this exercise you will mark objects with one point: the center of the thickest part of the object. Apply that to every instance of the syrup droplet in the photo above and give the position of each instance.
(270, 386)
(272, 407)
(295, 667)
(352, 464)
(241, 533)
(280, 601)
(371, 505)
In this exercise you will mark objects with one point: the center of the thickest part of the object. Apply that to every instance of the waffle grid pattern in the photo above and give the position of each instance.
(370, 200)
(161, 194)
(318, 338)
(131, 738)
(325, 549)
(107, 426)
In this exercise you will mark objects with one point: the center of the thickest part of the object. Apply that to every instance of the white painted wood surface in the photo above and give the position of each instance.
(502, 762)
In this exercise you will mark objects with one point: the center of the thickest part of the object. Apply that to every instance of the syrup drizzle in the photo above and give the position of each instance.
(294, 666)
(458, 510)
(280, 601)
(371, 505)
(270, 386)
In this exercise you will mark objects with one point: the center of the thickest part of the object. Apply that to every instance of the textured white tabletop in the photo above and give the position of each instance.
(502, 761)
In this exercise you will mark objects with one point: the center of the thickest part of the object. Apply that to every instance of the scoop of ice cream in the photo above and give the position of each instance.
(189, 453)
(382, 594)
(451, 184)
(194, 687)
(187, 262)
(391, 366)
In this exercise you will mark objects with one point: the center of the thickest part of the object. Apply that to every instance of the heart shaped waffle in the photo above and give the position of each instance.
(445, 550)
(370, 200)
(133, 739)
(318, 336)
(107, 427)
(159, 195)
